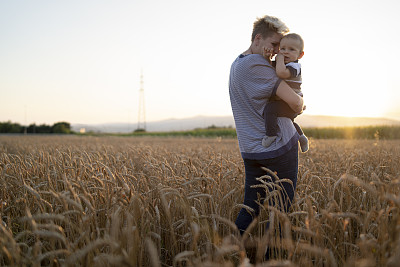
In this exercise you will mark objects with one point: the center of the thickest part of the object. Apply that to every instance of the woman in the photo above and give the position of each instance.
(252, 82)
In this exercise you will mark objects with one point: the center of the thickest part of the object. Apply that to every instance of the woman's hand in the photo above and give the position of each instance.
(268, 53)
(301, 112)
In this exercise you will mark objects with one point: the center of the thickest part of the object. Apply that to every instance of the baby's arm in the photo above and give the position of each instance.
(281, 70)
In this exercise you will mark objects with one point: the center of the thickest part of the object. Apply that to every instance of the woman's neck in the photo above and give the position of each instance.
(248, 51)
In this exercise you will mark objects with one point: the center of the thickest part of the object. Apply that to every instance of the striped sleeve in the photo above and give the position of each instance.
(294, 68)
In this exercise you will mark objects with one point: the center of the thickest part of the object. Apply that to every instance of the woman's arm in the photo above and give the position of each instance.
(287, 94)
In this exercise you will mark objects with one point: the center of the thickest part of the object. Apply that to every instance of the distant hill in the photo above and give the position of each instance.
(160, 126)
(227, 121)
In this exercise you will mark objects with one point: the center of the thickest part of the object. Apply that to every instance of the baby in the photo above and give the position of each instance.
(289, 69)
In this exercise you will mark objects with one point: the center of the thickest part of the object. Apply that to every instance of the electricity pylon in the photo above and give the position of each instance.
(141, 126)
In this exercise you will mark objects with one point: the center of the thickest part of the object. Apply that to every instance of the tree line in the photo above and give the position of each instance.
(56, 128)
(365, 132)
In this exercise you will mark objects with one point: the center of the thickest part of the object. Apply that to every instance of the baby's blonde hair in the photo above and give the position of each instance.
(297, 37)
(268, 25)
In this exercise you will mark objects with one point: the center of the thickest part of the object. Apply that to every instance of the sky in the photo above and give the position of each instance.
(81, 61)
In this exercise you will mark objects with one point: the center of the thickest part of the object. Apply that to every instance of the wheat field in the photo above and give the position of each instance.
(123, 201)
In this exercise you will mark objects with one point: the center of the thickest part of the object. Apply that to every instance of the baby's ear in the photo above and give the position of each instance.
(301, 55)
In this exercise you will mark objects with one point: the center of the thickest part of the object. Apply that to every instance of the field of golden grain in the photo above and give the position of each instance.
(123, 201)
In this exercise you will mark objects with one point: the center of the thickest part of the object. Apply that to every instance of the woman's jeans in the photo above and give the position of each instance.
(286, 167)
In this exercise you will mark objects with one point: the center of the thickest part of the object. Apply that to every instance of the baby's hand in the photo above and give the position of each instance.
(268, 53)
(279, 56)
